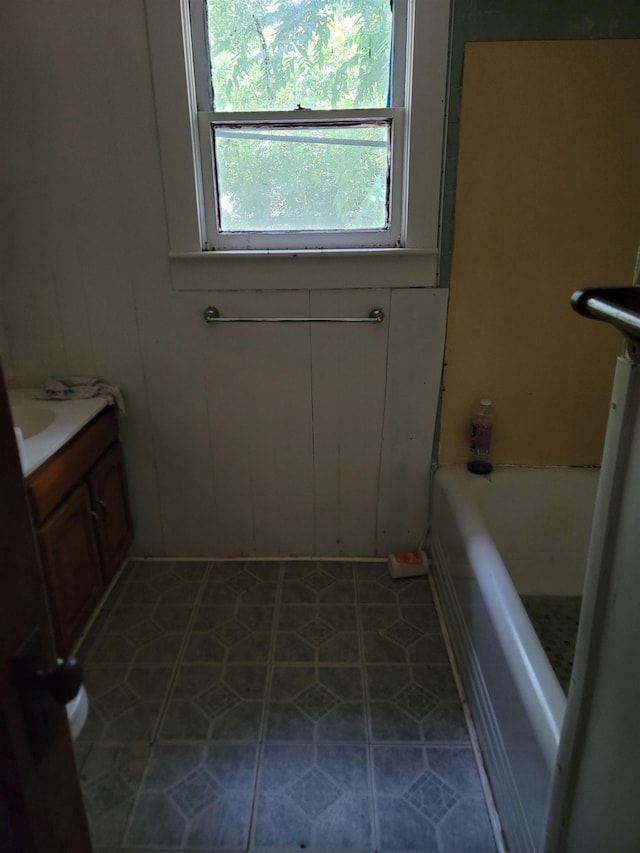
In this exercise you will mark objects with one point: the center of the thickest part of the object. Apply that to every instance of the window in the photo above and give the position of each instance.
(300, 124)
(300, 109)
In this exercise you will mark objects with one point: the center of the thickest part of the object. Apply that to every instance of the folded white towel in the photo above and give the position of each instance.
(80, 388)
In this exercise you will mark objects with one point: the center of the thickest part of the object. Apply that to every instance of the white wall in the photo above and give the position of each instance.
(240, 439)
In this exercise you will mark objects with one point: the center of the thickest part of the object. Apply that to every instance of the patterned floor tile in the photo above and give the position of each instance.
(276, 675)
(414, 703)
(221, 703)
(232, 632)
(317, 634)
(429, 648)
(445, 724)
(313, 798)
(124, 701)
(398, 640)
(438, 678)
(110, 779)
(318, 582)
(397, 633)
(162, 581)
(195, 795)
(152, 632)
(420, 796)
(466, 829)
(376, 586)
(241, 584)
(316, 704)
(263, 570)
(189, 570)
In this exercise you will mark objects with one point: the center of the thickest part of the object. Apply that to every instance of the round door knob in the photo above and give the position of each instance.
(64, 681)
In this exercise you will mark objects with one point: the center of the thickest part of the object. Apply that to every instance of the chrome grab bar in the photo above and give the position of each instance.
(619, 306)
(212, 315)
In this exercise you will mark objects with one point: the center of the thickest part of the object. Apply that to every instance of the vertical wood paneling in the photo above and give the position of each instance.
(260, 410)
(348, 364)
(29, 283)
(118, 242)
(43, 248)
(85, 174)
(239, 439)
(417, 322)
(174, 341)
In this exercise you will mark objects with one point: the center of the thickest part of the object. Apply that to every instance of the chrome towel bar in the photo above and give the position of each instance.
(212, 315)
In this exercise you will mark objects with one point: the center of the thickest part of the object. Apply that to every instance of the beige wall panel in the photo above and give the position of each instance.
(547, 202)
(348, 366)
(417, 321)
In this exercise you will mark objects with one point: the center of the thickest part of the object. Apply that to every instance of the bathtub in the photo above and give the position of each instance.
(518, 531)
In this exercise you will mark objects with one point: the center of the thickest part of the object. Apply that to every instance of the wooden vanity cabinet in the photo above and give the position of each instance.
(72, 566)
(109, 499)
(81, 513)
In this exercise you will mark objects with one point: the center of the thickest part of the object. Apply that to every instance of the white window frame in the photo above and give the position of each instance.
(394, 116)
(417, 140)
(290, 239)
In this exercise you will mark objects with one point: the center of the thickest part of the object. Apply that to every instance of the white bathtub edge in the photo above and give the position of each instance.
(533, 675)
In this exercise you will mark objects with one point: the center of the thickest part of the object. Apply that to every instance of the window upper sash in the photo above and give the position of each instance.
(172, 62)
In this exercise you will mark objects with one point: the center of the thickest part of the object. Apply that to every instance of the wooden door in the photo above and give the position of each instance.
(72, 566)
(110, 501)
(41, 808)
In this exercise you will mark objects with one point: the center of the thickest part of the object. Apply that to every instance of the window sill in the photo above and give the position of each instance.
(299, 253)
(322, 269)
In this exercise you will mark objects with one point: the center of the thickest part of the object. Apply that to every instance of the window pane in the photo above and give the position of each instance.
(305, 178)
(278, 54)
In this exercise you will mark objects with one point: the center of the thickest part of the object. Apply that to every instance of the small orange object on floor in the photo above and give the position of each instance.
(406, 564)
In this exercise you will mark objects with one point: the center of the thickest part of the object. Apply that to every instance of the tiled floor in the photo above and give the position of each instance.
(275, 707)
(556, 618)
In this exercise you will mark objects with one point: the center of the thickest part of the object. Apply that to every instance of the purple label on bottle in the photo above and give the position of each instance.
(481, 439)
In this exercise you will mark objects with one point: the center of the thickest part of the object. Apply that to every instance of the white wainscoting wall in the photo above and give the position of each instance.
(244, 439)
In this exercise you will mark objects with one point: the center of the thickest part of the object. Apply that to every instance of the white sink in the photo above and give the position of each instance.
(32, 418)
(43, 426)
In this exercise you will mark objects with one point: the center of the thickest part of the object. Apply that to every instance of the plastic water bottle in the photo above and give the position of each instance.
(480, 446)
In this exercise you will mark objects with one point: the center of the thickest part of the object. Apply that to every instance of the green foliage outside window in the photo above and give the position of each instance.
(281, 55)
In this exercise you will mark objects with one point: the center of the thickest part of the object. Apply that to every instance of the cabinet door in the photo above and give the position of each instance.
(72, 567)
(110, 499)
